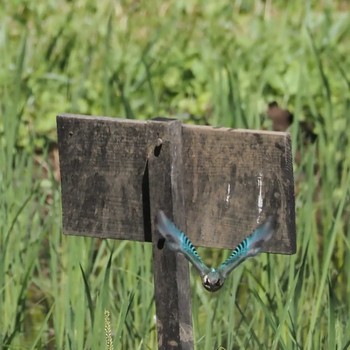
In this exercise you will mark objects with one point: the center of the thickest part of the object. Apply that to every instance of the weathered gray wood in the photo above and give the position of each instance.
(102, 163)
(233, 180)
(171, 270)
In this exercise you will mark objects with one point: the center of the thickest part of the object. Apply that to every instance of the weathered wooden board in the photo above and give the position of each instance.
(103, 162)
(232, 180)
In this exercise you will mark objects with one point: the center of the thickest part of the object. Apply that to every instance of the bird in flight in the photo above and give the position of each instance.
(213, 279)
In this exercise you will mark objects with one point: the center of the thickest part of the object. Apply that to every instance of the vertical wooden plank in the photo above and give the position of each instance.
(171, 270)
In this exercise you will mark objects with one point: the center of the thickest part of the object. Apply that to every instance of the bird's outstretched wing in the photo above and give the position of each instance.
(249, 247)
(179, 242)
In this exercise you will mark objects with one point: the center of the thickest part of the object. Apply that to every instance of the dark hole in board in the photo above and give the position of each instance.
(157, 150)
(161, 242)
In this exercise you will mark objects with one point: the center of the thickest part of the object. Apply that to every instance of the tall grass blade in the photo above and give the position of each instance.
(88, 295)
(332, 233)
(126, 304)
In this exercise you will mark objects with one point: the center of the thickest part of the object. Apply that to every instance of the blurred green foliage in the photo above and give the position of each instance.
(221, 62)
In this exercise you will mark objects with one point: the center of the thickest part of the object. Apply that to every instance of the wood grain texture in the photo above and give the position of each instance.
(171, 270)
(232, 180)
(102, 162)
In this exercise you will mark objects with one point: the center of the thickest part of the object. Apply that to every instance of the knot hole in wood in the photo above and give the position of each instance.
(158, 147)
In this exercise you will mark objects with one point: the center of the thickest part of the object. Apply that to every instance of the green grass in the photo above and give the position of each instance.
(217, 63)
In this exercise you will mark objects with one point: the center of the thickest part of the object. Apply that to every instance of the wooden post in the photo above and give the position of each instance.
(171, 270)
(116, 174)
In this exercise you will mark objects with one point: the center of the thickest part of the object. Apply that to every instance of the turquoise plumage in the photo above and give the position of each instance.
(213, 279)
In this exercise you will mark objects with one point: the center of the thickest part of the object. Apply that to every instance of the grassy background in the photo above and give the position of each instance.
(219, 63)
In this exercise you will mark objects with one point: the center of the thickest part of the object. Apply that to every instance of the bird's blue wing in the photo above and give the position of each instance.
(249, 247)
(179, 242)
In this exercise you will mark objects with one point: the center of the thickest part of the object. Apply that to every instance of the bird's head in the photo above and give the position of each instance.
(213, 281)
